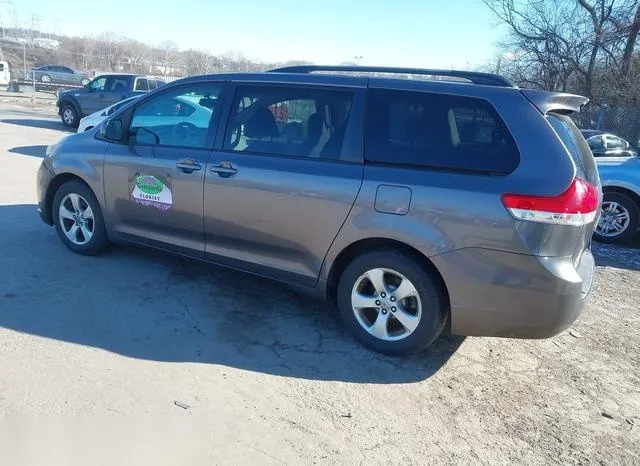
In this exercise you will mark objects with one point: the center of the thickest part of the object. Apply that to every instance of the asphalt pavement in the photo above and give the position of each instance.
(228, 368)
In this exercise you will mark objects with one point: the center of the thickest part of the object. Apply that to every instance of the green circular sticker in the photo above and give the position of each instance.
(149, 184)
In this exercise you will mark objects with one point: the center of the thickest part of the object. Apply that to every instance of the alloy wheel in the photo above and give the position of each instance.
(614, 220)
(386, 304)
(76, 219)
(68, 116)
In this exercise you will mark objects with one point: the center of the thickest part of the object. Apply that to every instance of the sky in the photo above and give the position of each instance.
(420, 33)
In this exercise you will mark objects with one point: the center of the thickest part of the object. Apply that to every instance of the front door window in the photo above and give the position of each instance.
(181, 117)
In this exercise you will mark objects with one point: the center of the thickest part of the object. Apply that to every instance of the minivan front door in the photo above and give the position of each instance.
(154, 183)
(285, 180)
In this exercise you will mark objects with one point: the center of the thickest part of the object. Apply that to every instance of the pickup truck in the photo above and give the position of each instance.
(103, 91)
(5, 74)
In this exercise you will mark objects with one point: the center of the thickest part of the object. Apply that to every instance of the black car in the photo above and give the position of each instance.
(605, 144)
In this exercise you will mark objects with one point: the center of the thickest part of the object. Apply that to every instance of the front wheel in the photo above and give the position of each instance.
(84, 81)
(78, 219)
(45, 78)
(619, 219)
(69, 116)
(390, 302)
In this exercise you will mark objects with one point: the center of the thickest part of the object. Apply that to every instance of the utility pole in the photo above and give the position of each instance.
(35, 25)
(3, 15)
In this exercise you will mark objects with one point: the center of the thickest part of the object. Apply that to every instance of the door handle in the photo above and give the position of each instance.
(224, 169)
(188, 165)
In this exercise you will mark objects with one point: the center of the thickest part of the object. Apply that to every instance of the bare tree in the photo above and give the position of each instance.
(632, 38)
(198, 62)
(168, 51)
(600, 14)
(136, 54)
(565, 44)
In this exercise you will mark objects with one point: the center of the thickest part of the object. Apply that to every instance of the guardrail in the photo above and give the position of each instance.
(50, 88)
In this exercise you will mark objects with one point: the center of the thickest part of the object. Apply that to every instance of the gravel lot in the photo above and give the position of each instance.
(266, 375)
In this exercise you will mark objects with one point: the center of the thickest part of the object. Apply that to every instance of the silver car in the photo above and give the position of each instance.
(56, 74)
(408, 203)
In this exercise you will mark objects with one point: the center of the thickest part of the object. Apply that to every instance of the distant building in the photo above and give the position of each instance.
(46, 43)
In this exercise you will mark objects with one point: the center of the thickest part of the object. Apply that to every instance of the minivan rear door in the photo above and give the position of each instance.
(586, 168)
(284, 178)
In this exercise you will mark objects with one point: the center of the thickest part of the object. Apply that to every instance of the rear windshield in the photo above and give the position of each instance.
(576, 145)
(438, 131)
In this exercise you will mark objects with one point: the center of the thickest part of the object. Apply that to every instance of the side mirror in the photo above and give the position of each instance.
(144, 136)
(112, 130)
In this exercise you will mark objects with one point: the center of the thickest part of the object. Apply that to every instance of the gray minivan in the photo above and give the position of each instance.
(409, 203)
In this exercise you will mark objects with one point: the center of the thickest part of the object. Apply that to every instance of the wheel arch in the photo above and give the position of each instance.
(622, 190)
(68, 100)
(52, 189)
(356, 248)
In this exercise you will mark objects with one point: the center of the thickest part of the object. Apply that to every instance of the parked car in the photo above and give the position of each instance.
(619, 167)
(605, 144)
(103, 91)
(56, 74)
(620, 217)
(407, 203)
(93, 120)
(5, 73)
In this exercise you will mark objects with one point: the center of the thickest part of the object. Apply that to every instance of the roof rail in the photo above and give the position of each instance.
(487, 79)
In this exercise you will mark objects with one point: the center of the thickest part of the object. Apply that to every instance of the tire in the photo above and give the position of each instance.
(624, 210)
(84, 81)
(45, 78)
(69, 116)
(428, 295)
(97, 240)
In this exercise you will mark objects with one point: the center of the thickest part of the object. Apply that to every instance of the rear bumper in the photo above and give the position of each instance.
(503, 294)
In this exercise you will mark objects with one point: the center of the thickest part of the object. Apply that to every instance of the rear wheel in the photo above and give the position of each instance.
(390, 302)
(619, 219)
(69, 116)
(45, 78)
(78, 219)
(84, 81)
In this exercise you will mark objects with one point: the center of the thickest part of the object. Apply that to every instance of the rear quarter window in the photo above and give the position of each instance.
(576, 145)
(438, 131)
(141, 84)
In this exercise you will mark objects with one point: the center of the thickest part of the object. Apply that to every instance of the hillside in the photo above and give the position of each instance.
(107, 53)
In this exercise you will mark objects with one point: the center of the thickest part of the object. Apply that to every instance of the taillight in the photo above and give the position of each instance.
(578, 205)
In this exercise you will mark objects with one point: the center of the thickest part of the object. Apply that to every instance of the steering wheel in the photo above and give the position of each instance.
(235, 135)
(182, 130)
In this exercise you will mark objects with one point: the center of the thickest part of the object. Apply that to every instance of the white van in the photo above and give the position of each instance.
(5, 74)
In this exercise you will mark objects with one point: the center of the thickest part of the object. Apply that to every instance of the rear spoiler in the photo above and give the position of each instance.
(546, 101)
